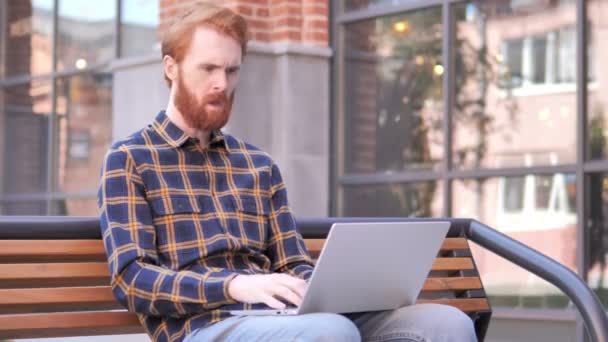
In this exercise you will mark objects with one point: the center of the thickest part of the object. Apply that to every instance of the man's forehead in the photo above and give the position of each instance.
(215, 47)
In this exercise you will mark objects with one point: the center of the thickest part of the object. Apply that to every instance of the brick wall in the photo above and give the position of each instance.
(295, 21)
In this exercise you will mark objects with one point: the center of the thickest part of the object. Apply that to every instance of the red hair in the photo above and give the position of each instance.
(176, 40)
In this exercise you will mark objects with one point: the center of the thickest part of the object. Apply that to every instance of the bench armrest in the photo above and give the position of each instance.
(550, 270)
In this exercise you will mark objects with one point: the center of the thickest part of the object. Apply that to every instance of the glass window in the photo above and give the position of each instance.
(539, 59)
(23, 207)
(597, 83)
(83, 130)
(350, 5)
(513, 190)
(544, 187)
(513, 52)
(86, 33)
(75, 207)
(546, 224)
(138, 27)
(27, 37)
(24, 126)
(597, 234)
(398, 200)
(515, 77)
(393, 93)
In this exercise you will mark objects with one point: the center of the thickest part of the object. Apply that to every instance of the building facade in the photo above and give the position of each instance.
(484, 109)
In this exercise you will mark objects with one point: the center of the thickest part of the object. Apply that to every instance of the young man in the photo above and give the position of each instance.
(196, 223)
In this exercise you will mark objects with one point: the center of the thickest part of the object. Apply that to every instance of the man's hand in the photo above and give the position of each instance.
(266, 288)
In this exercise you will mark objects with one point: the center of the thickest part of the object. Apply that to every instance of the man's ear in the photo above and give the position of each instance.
(170, 67)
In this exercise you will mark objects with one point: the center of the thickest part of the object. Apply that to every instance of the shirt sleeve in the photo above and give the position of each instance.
(285, 246)
(138, 281)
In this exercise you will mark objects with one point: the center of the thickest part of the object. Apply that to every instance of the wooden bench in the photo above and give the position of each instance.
(60, 288)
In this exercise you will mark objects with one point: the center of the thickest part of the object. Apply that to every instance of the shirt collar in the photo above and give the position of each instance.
(176, 137)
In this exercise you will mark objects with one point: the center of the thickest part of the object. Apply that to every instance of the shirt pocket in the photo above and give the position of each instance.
(252, 214)
(176, 221)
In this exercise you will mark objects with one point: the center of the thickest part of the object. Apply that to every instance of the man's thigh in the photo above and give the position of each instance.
(310, 327)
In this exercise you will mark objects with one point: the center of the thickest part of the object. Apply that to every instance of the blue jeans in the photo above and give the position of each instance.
(418, 323)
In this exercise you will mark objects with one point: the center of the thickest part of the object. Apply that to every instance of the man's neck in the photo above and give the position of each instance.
(178, 120)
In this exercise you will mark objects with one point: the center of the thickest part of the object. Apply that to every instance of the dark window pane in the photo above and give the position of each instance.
(544, 185)
(597, 234)
(23, 208)
(547, 225)
(513, 62)
(597, 81)
(24, 125)
(27, 37)
(400, 200)
(514, 193)
(393, 93)
(515, 73)
(539, 59)
(83, 130)
(138, 29)
(86, 33)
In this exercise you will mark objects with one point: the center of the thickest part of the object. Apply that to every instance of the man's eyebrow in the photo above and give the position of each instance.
(204, 65)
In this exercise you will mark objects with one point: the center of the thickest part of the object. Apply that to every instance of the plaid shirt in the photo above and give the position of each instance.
(179, 221)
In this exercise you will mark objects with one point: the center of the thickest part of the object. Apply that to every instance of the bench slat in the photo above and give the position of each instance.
(98, 294)
(455, 283)
(464, 304)
(54, 270)
(452, 264)
(97, 273)
(32, 250)
(103, 294)
(68, 324)
(449, 244)
(92, 250)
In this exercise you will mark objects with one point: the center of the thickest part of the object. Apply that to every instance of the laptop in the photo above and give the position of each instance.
(369, 267)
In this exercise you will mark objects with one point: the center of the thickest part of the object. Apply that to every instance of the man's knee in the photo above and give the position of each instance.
(454, 323)
(330, 327)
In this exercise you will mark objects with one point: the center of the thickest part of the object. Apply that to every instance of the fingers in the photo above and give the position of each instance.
(297, 285)
(273, 302)
(286, 294)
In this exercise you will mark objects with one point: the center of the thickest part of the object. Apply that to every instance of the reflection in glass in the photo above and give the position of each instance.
(350, 5)
(515, 103)
(24, 125)
(398, 200)
(393, 93)
(23, 208)
(28, 34)
(138, 23)
(597, 234)
(597, 80)
(83, 130)
(545, 220)
(75, 207)
(86, 33)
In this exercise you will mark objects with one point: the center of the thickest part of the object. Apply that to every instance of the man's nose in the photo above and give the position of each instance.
(220, 81)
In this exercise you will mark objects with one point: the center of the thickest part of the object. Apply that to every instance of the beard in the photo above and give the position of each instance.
(195, 113)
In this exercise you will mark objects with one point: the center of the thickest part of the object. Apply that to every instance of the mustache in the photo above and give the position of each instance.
(214, 97)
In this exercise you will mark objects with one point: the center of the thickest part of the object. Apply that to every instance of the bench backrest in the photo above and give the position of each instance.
(58, 288)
